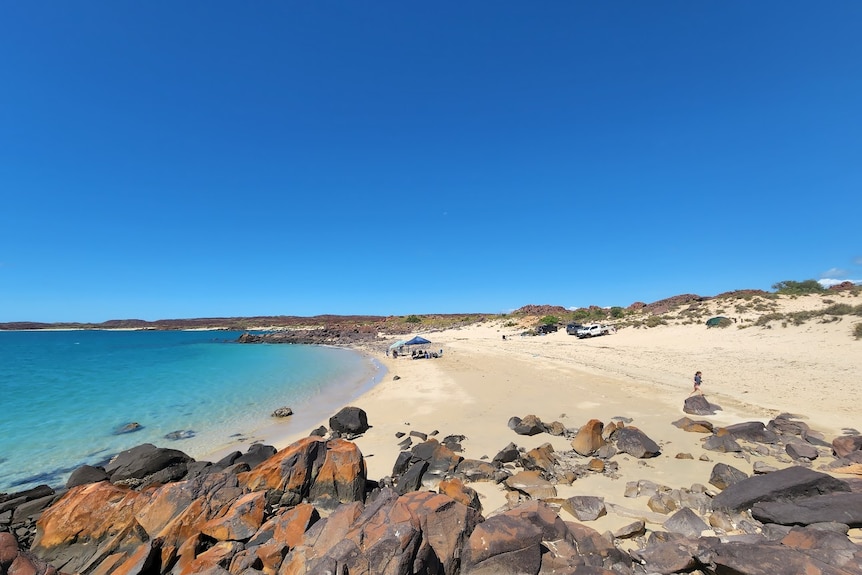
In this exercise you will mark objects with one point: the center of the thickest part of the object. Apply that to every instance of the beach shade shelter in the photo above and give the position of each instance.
(717, 321)
(418, 340)
(398, 344)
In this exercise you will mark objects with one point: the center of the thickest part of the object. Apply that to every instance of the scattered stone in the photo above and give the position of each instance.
(589, 438)
(760, 468)
(633, 441)
(128, 428)
(508, 454)
(687, 523)
(419, 435)
(723, 476)
(282, 412)
(180, 434)
(694, 426)
(800, 450)
(530, 425)
(635, 529)
(585, 507)
(531, 484)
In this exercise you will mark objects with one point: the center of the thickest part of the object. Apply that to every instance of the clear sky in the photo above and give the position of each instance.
(207, 158)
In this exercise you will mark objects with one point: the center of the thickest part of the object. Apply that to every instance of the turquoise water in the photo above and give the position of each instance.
(65, 393)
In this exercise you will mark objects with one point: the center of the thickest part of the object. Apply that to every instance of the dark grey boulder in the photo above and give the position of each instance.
(411, 480)
(724, 475)
(667, 557)
(227, 460)
(782, 485)
(257, 453)
(698, 405)
(801, 450)
(530, 425)
(723, 443)
(508, 454)
(585, 507)
(477, 470)
(349, 420)
(753, 431)
(843, 508)
(128, 428)
(767, 559)
(635, 442)
(180, 434)
(143, 460)
(86, 474)
(686, 522)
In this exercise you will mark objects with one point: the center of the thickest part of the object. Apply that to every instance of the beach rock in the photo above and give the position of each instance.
(143, 460)
(722, 442)
(530, 425)
(686, 522)
(531, 484)
(698, 405)
(349, 420)
(844, 445)
(843, 508)
(785, 484)
(541, 458)
(753, 431)
(441, 461)
(589, 438)
(633, 441)
(508, 454)
(694, 426)
(585, 507)
(667, 557)
(420, 532)
(785, 424)
(295, 469)
(128, 428)
(503, 545)
(478, 470)
(282, 412)
(461, 493)
(256, 454)
(16, 561)
(411, 479)
(240, 521)
(180, 434)
(723, 475)
(766, 558)
(341, 477)
(801, 450)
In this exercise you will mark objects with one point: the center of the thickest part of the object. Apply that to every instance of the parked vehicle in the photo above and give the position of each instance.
(572, 328)
(546, 328)
(594, 330)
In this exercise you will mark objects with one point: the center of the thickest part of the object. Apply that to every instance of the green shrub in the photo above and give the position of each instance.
(770, 317)
(655, 320)
(838, 309)
(790, 287)
(549, 320)
(413, 319)
(617, 312)
(857, 331)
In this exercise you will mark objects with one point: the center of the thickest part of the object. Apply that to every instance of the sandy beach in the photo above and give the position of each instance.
(641, 374)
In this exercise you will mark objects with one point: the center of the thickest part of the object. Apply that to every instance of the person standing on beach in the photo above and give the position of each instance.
(698, 379)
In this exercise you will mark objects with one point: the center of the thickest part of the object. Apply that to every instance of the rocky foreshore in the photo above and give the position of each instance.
(319, 336)
(310, 508)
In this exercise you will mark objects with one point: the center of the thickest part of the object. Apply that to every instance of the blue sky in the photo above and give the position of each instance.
(172, 160)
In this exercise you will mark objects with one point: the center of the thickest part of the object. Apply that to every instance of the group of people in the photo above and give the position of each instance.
(416, 353)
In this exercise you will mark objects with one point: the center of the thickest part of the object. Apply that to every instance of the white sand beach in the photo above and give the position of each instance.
(643, 374)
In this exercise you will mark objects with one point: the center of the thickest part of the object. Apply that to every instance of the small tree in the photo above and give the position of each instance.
(549, 320)
(790, 287)
(617, 312)
(413, 319)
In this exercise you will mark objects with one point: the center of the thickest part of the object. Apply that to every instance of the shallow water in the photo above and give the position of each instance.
(66, 393)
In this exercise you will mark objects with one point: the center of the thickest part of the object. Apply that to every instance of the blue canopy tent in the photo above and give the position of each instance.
(418, 340)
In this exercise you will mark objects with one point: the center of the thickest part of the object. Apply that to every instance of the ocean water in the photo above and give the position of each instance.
(64, 394)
